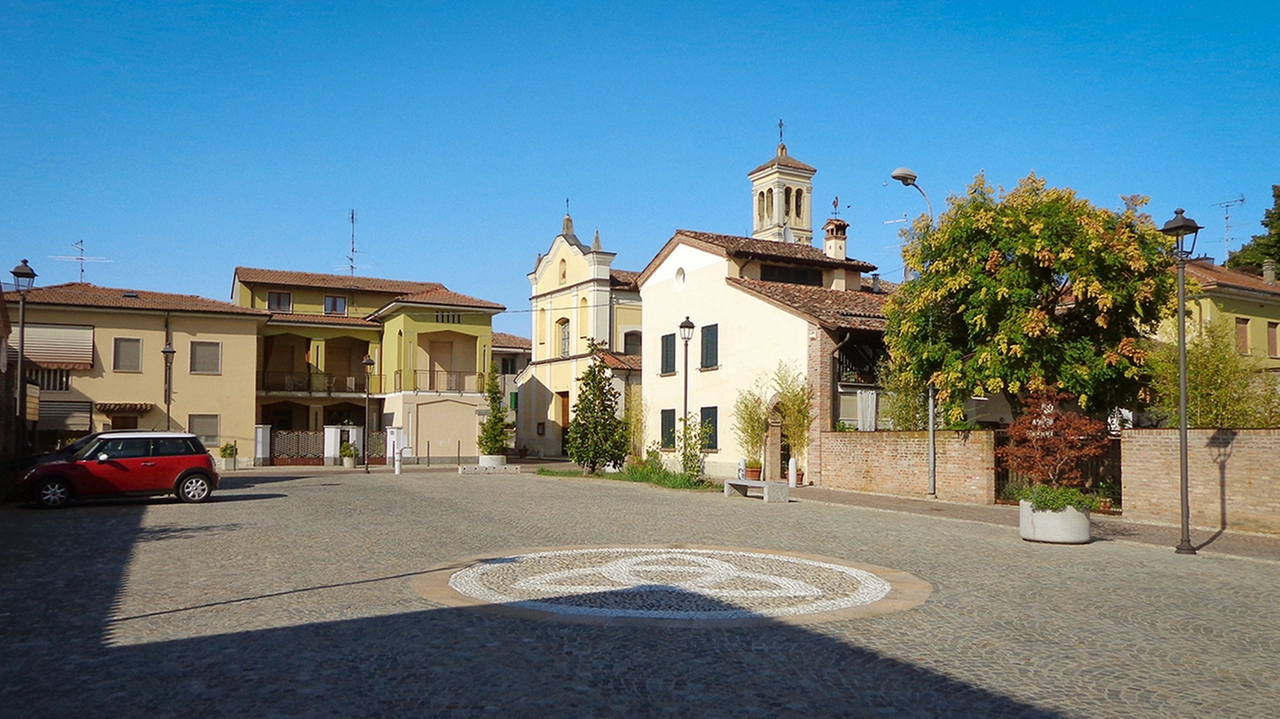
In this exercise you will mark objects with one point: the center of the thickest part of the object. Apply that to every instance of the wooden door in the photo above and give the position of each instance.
(564, 423)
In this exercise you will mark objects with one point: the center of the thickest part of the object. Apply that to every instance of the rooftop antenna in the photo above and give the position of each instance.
(1226, 232)
(351, 258)
(78, 257)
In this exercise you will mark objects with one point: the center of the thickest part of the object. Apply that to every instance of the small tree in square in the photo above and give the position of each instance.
(493, 431)
(597, 436)
(1050, 444)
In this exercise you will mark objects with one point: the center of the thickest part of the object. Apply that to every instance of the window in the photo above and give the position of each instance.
(509, 365)
(206, 357)
(204, 426)
(123, 448)
(712, 435)
(669, 354)
(1273, 347)
(449, 318)
(127, 355)
(335, 305)
(1242, 335)
(710, 347)
(631, 344)
(791, 275)
(563, 328)
(174, 446)
(50, 380)
(280, 301)
(668, 429)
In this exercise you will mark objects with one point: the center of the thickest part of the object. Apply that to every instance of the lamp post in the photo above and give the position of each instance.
(168, 353)
(368, 364)
(908, 179)
(1179, 227)
(23, 279)
(686, 334)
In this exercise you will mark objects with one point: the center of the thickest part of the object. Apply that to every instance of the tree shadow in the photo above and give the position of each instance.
(66, 651)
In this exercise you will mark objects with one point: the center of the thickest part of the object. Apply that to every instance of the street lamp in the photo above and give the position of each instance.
(908, 178)
(368, 364)
(686, 334)
(168, 353)
(1179, 227)
(23, 279)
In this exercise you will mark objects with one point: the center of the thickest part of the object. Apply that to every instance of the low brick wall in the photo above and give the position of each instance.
(898, 463)
(1233, 477)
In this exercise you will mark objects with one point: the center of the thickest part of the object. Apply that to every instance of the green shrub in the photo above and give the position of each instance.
(228, 450)
(1044, 498)
(346, 449)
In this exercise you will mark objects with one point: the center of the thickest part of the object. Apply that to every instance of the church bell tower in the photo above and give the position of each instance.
(782, 199)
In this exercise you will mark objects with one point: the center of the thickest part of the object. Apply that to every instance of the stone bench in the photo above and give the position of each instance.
(773, 491)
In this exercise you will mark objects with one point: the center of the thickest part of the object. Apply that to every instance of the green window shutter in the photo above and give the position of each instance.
(668, 354)
(709, 419)
(668, 428)
(710, 346)
(514, 400)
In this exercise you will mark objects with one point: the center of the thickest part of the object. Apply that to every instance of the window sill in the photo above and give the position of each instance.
(207, 374)
(712, 368)
(125, 371)
(666, 374)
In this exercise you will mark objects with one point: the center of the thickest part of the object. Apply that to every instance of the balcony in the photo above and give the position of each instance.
(438, 381)
(319, 383)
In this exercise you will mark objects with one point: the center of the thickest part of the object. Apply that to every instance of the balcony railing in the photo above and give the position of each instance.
(319, 382)
(437, 381)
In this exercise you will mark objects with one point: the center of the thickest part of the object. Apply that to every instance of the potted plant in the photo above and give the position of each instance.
(751, 426)
(347, 452)
(227, 456)
(795, 405)
(1048, 445)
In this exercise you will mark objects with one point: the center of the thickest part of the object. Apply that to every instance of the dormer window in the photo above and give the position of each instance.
(280, 301)
(334, 305)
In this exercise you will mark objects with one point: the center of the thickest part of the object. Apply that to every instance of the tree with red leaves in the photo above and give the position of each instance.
(1049, 444)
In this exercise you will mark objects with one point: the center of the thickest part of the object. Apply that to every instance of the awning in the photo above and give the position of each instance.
(123, 407)
(56, 346)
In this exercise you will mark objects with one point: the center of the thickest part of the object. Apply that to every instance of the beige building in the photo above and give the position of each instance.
(98, 356)
(430, 348)
(576, 296)
(1248, 303)
(756, 302)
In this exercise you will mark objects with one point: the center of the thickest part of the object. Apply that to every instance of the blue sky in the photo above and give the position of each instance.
(181, 139)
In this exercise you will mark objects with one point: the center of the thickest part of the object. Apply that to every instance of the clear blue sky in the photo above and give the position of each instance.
(181, 139)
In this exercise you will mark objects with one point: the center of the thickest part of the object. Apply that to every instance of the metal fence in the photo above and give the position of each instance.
(297, 447)
(1101, 474)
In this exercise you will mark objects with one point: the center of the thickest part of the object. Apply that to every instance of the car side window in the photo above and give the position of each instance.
(124, 448)
(172, 446)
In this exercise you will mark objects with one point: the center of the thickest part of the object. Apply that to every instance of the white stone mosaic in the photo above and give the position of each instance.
(652, 583)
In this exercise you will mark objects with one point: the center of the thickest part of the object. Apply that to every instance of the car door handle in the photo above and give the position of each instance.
(148, 464)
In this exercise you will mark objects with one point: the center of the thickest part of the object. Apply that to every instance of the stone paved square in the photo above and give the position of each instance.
(293, 594)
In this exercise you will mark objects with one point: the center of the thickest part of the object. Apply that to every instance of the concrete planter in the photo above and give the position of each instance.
(493, 460)
(348, 462)
(226, 464)
(1068, 526)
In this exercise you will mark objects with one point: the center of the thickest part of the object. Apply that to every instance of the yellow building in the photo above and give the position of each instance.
(1251, 305)
(429, 347)
(97, 355)
(576, 296)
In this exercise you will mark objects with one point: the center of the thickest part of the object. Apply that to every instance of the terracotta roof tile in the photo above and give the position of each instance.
(837, 309)
(782, 159)
(83, 294)
(615, 360)
(288, 278)
(736, 246)
(441, 296)
(293, 318)
(1211, 276)
(624, 280)
(502, 339)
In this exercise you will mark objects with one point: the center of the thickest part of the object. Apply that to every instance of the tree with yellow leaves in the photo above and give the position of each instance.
(1027, 290)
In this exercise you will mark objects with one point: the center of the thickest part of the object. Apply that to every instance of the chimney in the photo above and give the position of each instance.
(875, 283)
(1269, 271)
(833, 245)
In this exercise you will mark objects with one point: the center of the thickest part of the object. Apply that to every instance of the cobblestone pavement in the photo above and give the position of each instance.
(292, 594)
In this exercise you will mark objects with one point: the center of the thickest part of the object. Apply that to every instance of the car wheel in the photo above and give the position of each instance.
(194, 488)
(53, 493)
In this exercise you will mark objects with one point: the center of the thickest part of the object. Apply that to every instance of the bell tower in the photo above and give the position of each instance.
(782, 199)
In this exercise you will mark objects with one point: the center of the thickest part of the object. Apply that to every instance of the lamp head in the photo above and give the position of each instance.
(904, 175)
(1180, 226)
(23, 276)
(686, 329)
(168, 351)
(367, 362)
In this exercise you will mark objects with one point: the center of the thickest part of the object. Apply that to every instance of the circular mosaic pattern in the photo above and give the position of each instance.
(700, 585)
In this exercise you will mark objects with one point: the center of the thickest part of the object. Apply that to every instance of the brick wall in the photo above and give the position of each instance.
(1234, 478)
(898, 463)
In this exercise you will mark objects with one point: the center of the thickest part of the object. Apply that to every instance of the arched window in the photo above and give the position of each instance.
(582, 320)
(768, 202)
(799, 204)
(631, 344)
(786, 206)
(564, 271)
(760, 208)
(562, 328)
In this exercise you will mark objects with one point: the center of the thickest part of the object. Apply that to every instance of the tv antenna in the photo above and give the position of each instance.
(78, 257)
(351, 258)
(1226, 221)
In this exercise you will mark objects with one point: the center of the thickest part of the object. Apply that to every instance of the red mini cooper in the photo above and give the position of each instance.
(128, 463)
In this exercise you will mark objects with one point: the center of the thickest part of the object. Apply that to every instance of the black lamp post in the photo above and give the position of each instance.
(1179, 227)
(168, 353)
(908, 178)
(368, 364)
(23, 279)
(686, 334)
